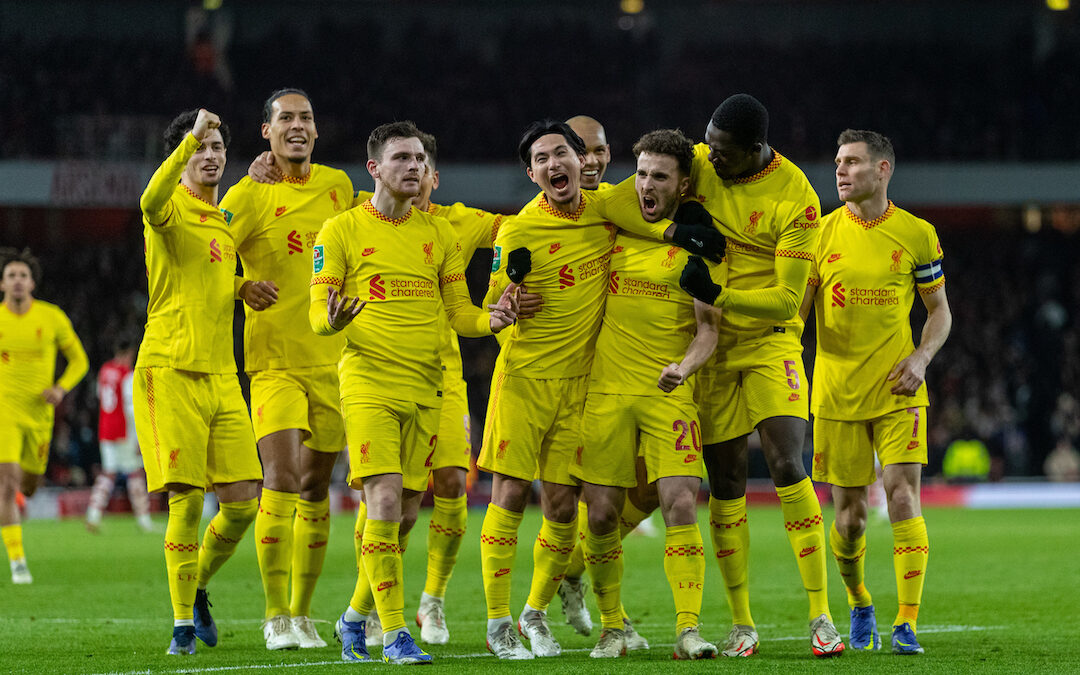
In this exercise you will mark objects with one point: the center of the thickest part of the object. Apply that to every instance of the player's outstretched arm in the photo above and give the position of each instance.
(258, 295)
(697, 352)
(155, 199)
(779, 302)
(908, 375)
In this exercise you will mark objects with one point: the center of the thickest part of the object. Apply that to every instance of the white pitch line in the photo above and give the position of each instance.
(312, 664)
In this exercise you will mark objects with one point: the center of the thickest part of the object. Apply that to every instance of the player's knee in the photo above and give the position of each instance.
(449, 482)
(903, 504)
(603, 518)
(851, 523)
(681, 511)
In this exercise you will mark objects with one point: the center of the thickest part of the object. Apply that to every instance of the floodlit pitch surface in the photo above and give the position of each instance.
(1001, 595)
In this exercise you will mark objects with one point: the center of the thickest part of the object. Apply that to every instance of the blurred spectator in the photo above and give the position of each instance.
(1063, 462)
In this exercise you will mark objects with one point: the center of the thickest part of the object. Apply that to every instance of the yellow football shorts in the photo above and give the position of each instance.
(26, 445)
(752, 381)
(616, 428)
(533, 427)
(844, 450)
(193, 428)
(386, 435)
(307, 399)
(455, 426)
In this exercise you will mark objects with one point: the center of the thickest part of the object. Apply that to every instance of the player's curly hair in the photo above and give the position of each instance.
(745, 118)
(9, 255)
(181, 126)
(384, 133)
(268, 105)
(543, 128)
(880, 146)
(668, 142)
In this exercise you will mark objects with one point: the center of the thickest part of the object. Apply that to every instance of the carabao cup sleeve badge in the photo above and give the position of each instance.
(496, 259)
(317, 259)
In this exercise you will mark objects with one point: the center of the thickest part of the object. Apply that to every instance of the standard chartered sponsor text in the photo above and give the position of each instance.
(873, 296)
(412, 288)
(645, 287)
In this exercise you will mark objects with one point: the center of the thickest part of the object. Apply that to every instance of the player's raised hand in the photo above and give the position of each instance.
(908, 375)
(263, 169)
(505, 311)
(205, 122)
(339, 311)
(670, 377)
(259, 295)
(529, 304)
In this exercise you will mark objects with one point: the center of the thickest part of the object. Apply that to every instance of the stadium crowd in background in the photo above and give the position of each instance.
(1011, 108)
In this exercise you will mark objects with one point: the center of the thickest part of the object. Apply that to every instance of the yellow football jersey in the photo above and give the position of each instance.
(867, 274)
(648, 322)
(275, 227)
(191, 274)
(475, 229)
(570, 257)
(28, 345)
(407, 270)
(770, 215)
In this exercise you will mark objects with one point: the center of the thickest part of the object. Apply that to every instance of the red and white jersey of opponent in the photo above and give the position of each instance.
(116, 411)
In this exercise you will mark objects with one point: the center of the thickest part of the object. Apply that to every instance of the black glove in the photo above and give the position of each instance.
(518, 264)
(696, 281)
(693, 213)
(695, 232)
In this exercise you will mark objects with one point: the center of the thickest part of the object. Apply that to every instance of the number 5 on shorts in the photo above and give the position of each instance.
(792, 374)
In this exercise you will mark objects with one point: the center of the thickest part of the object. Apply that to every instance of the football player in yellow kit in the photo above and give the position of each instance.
(407, 267)
(190, 416)
(769, 213)
(31, 332)
(653, 338)
(869, 390)
(562, 241)
(295, 403)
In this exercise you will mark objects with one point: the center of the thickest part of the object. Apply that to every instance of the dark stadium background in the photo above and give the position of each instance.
(979, 98)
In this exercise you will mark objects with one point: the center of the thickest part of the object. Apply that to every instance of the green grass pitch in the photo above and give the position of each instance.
(1001, 595)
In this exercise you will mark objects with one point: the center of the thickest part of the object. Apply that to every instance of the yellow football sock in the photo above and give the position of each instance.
(911, 549)
(381, 555)
(806, 533)
(444, 535)
(604, 559)
(273, 547)
(576, 568)
(362, 599)
(498, 546)
(551, 553)
(182, 551)
(850, 559)
(222, 535)
(311, 532)
(730, 533)
(630, 517)
(12, 535)
(684, 566)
